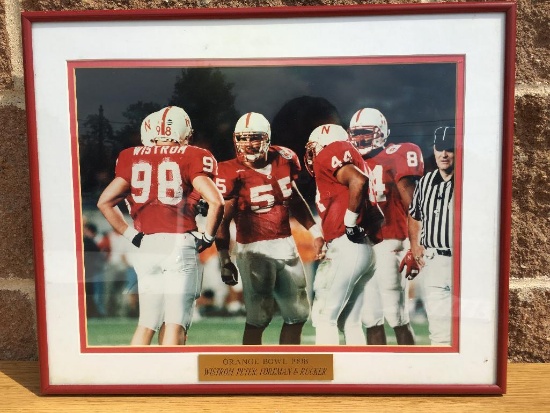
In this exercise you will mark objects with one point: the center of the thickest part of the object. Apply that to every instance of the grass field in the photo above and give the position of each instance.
(212, 331)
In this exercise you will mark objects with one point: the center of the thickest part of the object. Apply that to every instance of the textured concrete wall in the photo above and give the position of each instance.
(530, 258)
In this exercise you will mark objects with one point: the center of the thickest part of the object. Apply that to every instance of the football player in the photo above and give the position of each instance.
(394, 171)
(155, 180)
(342, 186)
(260, 194)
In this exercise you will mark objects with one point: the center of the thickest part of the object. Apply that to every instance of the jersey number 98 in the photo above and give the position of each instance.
(168, 181)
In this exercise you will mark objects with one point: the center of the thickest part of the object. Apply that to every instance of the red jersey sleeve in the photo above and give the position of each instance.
(123, 168)
(292, 159)
(407, 160)
(295, 166)
(200, 162)
(226, 181)
(336, 155)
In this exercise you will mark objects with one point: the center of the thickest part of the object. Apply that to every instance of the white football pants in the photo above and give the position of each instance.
(168, 279)
(437, 277)
(338, 291)
(386, 294)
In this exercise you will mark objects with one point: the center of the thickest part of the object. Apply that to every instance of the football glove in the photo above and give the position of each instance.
(412, 266)
(202, 241)
(132, 235)
(137, 239)
(230, 274)
(356, 234)
(201, 208)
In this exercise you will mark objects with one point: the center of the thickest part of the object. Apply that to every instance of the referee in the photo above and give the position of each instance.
(431, 236)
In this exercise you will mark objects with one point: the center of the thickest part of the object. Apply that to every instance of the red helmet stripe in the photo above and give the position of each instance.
(164, 119)
(358, 115)
(248, 115)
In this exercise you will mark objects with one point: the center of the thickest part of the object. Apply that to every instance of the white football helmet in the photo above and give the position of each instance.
(252, 137)
(320, 137)
(148, 129)
(171, 124)
(368, 130)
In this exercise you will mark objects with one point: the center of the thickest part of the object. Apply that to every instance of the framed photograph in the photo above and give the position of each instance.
(272, 200)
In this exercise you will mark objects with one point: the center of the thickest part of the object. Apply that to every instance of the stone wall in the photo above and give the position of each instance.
(530, 257)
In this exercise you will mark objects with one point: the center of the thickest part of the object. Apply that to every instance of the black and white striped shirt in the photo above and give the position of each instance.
(432, 204)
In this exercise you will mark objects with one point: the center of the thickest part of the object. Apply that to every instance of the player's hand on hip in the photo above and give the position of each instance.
(137, 239)
(202, 240)
(132, 235)
(356, 234)
(411, 264)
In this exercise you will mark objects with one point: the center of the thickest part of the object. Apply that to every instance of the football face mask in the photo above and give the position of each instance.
(368, 130)
(366, 139)
(251, 146)
(252, 137)
(309, 157)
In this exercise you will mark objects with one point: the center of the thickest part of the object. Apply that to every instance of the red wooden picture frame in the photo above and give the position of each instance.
(414, 35)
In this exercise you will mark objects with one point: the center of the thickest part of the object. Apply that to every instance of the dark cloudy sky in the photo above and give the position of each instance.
(415, 98)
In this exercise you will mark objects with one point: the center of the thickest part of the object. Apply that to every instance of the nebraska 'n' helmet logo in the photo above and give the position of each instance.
(170, 124)
(320, 137)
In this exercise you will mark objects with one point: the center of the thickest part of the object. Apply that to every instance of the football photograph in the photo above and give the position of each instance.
(274, 202)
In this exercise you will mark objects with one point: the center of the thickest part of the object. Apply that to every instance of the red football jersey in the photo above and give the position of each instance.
(162, 197)
(333, 197)
(262, 195)
(386, 169)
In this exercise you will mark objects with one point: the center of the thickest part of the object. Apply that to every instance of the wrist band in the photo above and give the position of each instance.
(350, 218)
(208, 237)
(130, 233)
(315, 231)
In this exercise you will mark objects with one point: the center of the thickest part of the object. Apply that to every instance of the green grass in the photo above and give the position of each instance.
(212, 331)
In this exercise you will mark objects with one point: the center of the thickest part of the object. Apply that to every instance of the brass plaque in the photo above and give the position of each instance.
(254, 367)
